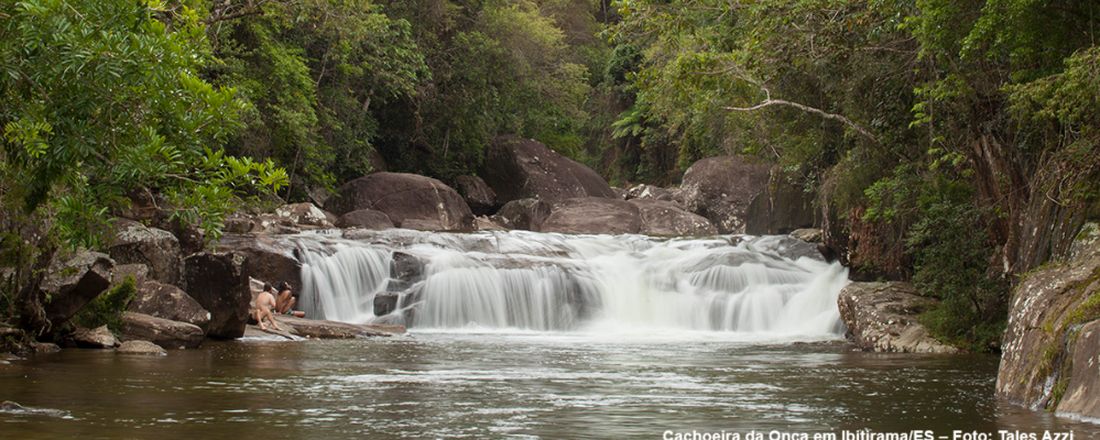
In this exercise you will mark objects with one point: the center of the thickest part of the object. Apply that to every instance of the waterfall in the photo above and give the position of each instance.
(533, 281)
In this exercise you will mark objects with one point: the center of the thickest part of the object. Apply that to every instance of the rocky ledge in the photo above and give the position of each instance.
(297, 328)
(883, 317)
(1051, 348)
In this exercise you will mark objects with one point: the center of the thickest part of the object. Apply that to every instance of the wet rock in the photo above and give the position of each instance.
(722, 189)
(45, 348)
(406, 267)
(385, 303)
(487, 224)
(647, 191)
(9, 407)
(808, 235)
(217, 282)
(593, 215)
(304, 214)
(517, 168)
(666, 219)
(99, 337)
(883, 317)
(526, 214)
(157, 249)
(141, 348)
(319, 329)
(478, 195)
(366, 219)
(74, 282)
(1050, 354)
(169, 302)
(163, 332)
(408, 200)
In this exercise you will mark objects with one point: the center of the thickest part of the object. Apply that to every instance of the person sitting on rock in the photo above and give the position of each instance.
(284, 304)
(265, 303)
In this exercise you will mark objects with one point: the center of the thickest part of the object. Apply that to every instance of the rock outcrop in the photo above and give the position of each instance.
(592, 215)
(157, 249)
(479, 196)
(666, 219)
(525, 214)
(264, 259)
(365, 219)
(411, 201)
(517, 168)
(168, 302)
(74, 282)
(722, 189)
(1051, 349)
(319, 329)
(163, 332)
(217, 282)
(883, 317)
(782, 207)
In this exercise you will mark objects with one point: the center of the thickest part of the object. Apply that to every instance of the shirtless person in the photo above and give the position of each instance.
(265, 303)
(284, 304)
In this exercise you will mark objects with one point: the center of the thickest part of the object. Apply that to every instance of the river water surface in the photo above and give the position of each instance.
(501, 384)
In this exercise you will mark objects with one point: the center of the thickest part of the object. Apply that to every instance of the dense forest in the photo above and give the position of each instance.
(957, 140)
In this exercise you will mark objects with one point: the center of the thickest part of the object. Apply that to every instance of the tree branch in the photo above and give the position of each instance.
(768, 102)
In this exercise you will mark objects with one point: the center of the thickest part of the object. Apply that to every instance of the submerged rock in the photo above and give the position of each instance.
(517, 168)
(1051, 349)
(883, 317)
(141, 347)
(410, 201)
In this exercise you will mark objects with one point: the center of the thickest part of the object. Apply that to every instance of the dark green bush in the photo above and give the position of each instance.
(108, 307)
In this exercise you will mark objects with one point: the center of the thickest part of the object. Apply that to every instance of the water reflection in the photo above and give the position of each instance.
(505, 385)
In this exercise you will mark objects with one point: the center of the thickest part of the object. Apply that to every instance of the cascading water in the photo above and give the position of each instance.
(525, 280)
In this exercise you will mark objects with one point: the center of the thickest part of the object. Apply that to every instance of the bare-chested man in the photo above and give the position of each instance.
(265, 303)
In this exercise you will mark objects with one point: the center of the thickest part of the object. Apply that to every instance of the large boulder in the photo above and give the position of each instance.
(481, 199)
(163, 332)
(1051, 347)
(157, 249)
(722, 189)
(217, 281)
(592, 215)
(73, 282)
(264, 258)
(99, 337)
(409, 200)
(883, 317)
(304, 214)
(518, 168)
(168, 302)
(667, 219)
(783, 207)
(366, 219)
(526, 214)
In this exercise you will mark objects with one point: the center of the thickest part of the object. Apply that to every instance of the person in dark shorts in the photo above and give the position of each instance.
(286, 300)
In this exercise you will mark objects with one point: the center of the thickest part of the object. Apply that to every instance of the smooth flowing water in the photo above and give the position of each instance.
(531, 336)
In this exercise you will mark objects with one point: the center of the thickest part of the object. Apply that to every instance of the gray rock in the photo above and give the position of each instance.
(141, 348)
(722, 189)
(264, 258)
(808, 235)
(157, 249)
(385, 303)
(666, 219)
(74, 282)
(647, 191)
(218, 283)
(883, 317)
(139, 272)
(169, 302)
(487, 224)
(526, 214)
(366, 219)
(163, 332)
(304, 214)
(517, 168)
(409, 200)
(478, 195)
(319, 329)
(1050, 354)
(782, 207)
(593, 215)
(99, 337)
